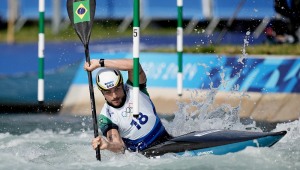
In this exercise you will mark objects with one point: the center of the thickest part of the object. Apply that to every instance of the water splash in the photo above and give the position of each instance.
(293, 131)
(246, 43)
(201, 114)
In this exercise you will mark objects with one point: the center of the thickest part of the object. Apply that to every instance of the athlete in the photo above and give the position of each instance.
(116, 121)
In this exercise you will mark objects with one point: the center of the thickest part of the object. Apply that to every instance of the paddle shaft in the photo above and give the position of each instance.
(93, 108)
(81, 14)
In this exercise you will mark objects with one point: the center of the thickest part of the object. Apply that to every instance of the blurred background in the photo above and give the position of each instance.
(240, 69)
(271, 17)
(210, 27)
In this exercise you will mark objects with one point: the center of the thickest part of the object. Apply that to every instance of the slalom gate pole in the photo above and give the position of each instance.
(41, 47)
(179, 47)
(136, 55)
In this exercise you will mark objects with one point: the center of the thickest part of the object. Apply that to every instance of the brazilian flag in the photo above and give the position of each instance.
(81, 11)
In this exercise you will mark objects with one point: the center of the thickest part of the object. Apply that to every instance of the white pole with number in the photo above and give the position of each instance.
(179, 47)
(41, 47)
(136, 55)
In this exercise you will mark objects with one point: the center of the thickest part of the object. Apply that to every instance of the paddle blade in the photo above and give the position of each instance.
(81, 14)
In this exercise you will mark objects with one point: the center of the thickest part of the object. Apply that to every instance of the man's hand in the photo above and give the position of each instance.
(114, 143)
(101, 142)
(94, 64)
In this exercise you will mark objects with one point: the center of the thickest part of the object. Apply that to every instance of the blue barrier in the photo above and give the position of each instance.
(57, 56)
(167, 9)
(155, 9)
(250, 10)
(116, 9)
(102, 9)
(3, 10)
(122, 9)
(272, 74)
(30, 9)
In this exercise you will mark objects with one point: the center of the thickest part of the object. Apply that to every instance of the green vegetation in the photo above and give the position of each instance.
(103, 30)
(266, 49)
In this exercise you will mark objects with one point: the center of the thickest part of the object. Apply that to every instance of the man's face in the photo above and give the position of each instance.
(114, 95)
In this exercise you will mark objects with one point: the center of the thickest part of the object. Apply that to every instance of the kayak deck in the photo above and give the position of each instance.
(215, 142)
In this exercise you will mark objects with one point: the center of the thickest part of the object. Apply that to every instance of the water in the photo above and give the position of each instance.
(41, 141)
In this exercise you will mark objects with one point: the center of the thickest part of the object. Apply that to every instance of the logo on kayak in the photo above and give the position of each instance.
(128, 111)
(207, 132)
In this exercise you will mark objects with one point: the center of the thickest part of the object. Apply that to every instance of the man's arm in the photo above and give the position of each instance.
(119, 64)
(114, 144)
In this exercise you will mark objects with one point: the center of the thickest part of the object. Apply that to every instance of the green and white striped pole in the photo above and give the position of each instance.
(41, 47)
(136, 55)
(179, 47)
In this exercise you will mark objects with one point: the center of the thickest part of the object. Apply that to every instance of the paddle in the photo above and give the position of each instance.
(81, 14)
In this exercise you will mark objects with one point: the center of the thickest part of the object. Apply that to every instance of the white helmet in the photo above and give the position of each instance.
(107, 78)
